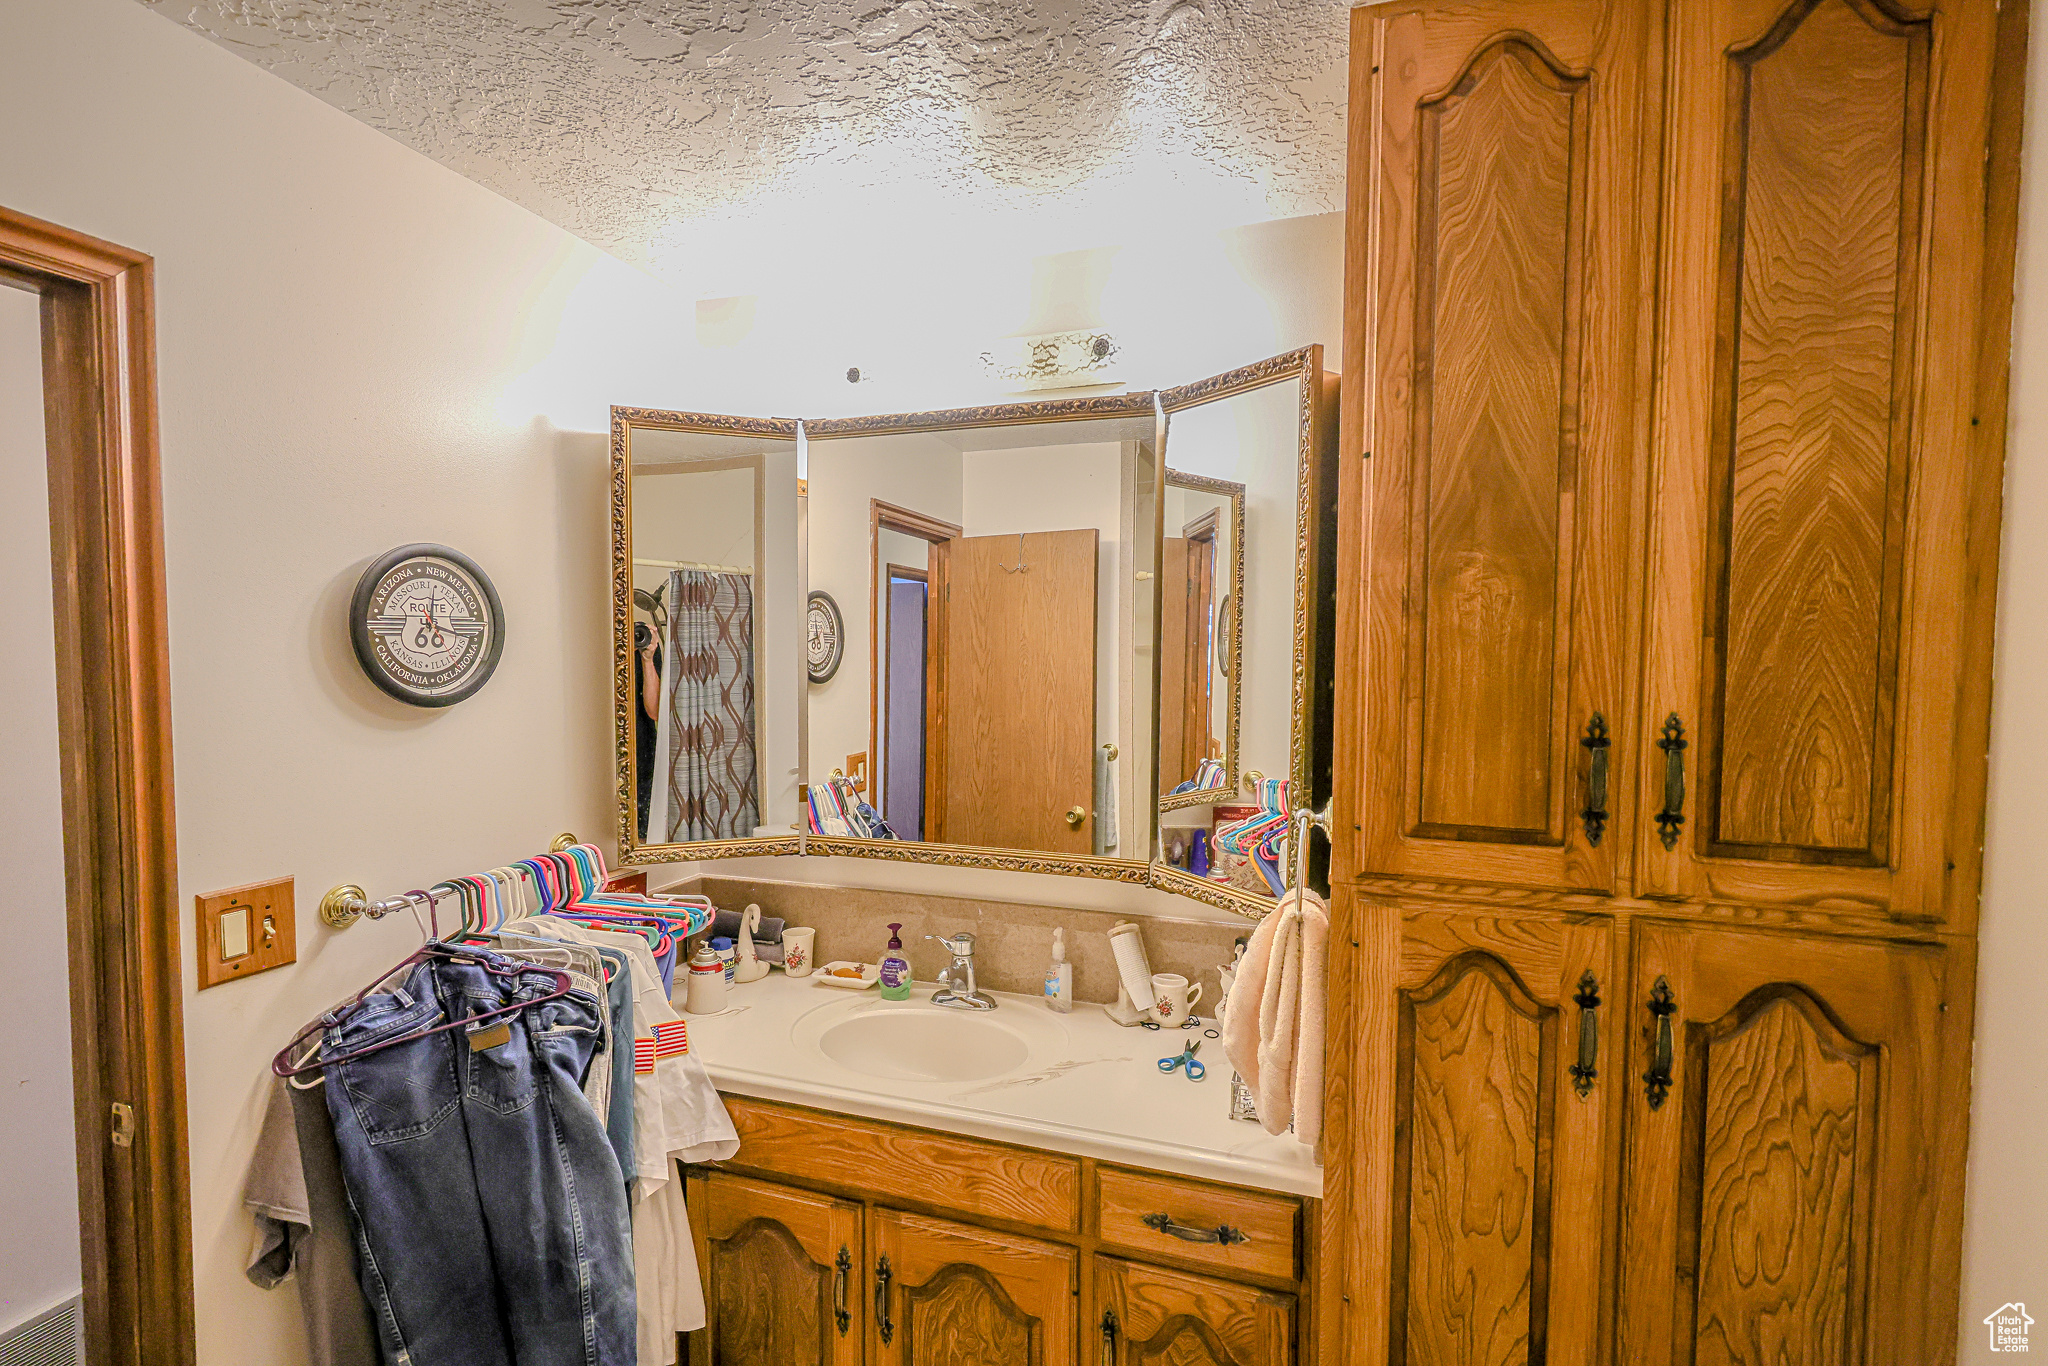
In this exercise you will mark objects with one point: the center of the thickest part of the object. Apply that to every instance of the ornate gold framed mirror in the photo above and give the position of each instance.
(1006, 586)
(1257, 446)
(1201, 576)
(707, 634)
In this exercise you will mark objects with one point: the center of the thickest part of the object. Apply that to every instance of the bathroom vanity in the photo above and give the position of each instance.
(916, 1184)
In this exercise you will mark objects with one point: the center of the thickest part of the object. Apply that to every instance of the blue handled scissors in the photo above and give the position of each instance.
(1195, 1070)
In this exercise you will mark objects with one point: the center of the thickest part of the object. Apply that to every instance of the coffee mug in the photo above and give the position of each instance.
(796, 950)
(1173, 998)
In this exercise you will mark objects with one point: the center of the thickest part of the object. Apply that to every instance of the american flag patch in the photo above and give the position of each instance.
(643, 1056)
(671, 1038)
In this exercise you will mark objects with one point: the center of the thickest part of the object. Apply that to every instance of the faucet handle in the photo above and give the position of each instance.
(959, 945)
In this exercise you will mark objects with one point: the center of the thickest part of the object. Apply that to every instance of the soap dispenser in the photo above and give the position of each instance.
(895, 972)
(1059, 977)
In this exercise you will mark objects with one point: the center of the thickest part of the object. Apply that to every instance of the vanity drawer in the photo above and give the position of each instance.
(1268, 1222)
(963, 1175)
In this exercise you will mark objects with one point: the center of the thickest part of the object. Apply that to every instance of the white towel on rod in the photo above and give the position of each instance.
(1273, 1034)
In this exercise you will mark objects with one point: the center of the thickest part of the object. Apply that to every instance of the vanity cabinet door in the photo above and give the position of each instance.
(1494, 414)
(782, 1273)
(1814, 577)
(1785, 1125)
(1149, 1316)
(1507, 1077)
(949, 1295)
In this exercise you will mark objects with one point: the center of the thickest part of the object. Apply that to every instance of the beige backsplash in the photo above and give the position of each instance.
(1013, 940)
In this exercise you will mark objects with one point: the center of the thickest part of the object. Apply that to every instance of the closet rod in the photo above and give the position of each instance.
(343, 906)
(694, 564)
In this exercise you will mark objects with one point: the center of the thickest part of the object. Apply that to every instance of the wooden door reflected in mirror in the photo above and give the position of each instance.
(996, 573)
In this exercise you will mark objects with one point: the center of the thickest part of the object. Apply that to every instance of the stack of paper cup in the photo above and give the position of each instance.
(1132, 966)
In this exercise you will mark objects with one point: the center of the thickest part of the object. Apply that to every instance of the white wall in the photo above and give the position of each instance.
(358, 349)
(40, 1190)
(2006, 1240)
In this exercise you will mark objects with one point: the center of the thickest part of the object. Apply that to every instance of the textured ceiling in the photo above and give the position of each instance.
(629, 121)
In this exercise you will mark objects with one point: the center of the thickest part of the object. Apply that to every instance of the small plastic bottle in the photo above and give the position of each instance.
(895, 974)
(1059, 976)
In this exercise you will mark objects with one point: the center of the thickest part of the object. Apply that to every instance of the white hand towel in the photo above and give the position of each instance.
(1279, 1021)
(1241, 1021)
(1274, 1034)
(1308, 1051)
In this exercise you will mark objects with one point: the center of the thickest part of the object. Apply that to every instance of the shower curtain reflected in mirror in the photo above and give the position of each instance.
(707, 789)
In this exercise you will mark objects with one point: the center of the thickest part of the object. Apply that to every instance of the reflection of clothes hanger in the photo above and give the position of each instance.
(1022, 568)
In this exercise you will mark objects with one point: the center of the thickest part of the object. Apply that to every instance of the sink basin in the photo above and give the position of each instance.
(924, 1045)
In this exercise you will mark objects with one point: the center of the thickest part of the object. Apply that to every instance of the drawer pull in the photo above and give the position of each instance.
(843, 1264)
(1109, 1337)
(1222, 1233)
(882, 1324)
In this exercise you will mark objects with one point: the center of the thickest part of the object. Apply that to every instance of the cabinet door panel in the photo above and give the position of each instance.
(1824, 206)
(1150, 1316)
(959, 1296)
(1777, 1209)
(779, 1266)
(1500, 422)
(1499, 1148)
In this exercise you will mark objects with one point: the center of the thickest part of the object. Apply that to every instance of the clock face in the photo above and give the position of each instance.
(427, 625)
(824, 638)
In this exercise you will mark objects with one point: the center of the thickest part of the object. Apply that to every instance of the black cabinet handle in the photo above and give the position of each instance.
(1109, 1337)
(1585, 1070)
(1596, 743)
(882, 1324)
(1222, 1233)
(1657, 1081)
(843, 1265)
(1672, 818)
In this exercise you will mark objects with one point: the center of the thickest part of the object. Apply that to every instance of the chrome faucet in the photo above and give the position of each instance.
(956, 983)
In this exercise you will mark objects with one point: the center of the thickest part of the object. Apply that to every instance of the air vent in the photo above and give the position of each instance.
(55, 1337)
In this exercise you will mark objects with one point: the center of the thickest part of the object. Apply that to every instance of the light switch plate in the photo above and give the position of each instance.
(246, 930)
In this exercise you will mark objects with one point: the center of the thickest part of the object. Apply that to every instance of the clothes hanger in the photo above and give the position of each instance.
(282, 1064)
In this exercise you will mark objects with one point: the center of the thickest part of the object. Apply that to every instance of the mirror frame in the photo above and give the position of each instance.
(1231, 648)
(631, 849)
(1029, 413)
(1312, 685)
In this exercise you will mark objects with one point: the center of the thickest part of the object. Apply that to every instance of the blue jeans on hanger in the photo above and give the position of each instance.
(491, 1217)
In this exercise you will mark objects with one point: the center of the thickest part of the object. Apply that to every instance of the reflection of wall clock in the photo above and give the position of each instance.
(825, 636)
(427, 625)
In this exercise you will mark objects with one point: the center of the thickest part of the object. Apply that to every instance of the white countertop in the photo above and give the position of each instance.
(1086, 1085)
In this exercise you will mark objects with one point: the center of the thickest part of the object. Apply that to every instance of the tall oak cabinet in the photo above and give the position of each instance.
(1675, 380)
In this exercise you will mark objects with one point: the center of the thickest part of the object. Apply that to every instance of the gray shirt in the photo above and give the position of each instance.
(302, 1224)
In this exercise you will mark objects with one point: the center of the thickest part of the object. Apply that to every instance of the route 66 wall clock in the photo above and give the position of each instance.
(427, 625)
(824, 637)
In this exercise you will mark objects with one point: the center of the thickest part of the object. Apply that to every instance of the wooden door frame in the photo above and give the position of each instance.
(1204, 529)
(114, 734)
(892, 517)
(909, 574)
